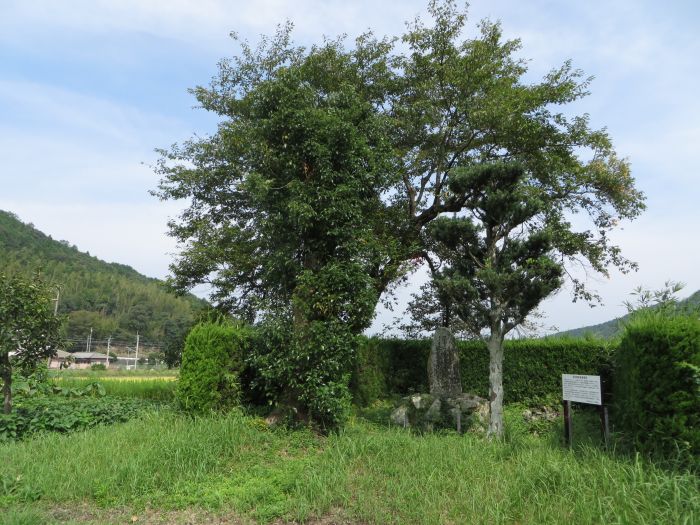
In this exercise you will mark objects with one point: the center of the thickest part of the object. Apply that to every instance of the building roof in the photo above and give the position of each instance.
(89, 355)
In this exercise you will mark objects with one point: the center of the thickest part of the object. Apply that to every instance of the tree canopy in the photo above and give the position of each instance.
(329, 163)
(498, 261)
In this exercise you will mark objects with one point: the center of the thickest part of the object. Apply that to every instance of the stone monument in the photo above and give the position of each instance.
(445, 406)
(443, 365)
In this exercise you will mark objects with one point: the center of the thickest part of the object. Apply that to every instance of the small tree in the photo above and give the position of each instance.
(504, 257)
(174, 334)
(28, 328)
(211, 365)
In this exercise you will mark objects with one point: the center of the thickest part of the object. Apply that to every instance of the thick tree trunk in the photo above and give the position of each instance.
(495, 346)
(6, 373)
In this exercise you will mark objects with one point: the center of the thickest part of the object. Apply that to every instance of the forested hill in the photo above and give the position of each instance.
(611, 328)
(112, 299)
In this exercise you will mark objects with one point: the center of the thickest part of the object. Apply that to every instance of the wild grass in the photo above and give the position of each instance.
(369, 473)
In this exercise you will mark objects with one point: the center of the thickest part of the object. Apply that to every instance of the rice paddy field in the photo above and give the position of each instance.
(164, 466)
(154, 385)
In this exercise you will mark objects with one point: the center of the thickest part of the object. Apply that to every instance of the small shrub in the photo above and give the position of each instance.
(657, 385)
(211, 365)
(97, 366)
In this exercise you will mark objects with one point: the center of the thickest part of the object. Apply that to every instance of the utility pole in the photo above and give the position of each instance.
(137, 351)
(109, 340)
(89, 341)
(55, 306)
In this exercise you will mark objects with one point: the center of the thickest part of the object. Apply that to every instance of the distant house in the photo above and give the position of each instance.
(61, 358)
(78, 359)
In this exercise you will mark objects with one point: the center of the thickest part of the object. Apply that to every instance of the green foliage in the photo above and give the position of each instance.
(297, 219)
(153, 388)
(28, 328)
(368, 381)
(174, 335)
(657, 385)
(305, 369)
(211, 365)
(112, 299)
(315, 191)
(66, 413)
(532, 367)
(498, 261)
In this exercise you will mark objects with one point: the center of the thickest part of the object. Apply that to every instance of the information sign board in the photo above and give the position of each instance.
(581, 389)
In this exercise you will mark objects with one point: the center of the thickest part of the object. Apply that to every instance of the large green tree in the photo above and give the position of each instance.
(329, 163)
(287, 216)
(29, 330)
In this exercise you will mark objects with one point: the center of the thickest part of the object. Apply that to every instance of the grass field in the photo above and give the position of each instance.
(155, 385)
(115, 372)
(169, 468)
(154, 388)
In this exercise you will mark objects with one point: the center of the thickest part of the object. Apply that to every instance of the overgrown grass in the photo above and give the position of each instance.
(367, 474)
(153, 388)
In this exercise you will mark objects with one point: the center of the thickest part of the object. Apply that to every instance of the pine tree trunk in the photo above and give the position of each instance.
(495, 346)
(6, 373)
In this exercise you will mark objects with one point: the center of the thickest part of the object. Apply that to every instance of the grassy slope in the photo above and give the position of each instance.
(367, 474)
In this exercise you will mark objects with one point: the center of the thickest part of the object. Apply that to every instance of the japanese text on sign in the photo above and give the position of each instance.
(581, 389)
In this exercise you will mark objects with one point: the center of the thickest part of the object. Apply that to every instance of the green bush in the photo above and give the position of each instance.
(304, 371)
(62, 413)
(657, 385)
(368, 382)
(532, 368)
(211, 365)
(97, 366)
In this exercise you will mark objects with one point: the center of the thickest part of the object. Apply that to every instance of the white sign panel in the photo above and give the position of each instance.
(581, 389)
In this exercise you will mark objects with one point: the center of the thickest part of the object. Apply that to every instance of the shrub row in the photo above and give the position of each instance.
(532, 368)
(657, 386)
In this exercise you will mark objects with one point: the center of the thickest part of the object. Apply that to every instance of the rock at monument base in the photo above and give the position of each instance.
(426, 412)
(400, 417)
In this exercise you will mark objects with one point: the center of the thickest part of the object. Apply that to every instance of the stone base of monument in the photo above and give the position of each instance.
(426, 412)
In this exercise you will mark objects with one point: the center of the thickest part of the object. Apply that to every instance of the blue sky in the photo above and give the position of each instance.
(89, 88)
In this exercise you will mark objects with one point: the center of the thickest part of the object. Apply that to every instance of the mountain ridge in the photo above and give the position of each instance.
(111, 299)
(612, 328)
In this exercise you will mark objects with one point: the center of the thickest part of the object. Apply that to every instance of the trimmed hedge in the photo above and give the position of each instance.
(212, 361)
(532, 368)
(657, 386)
